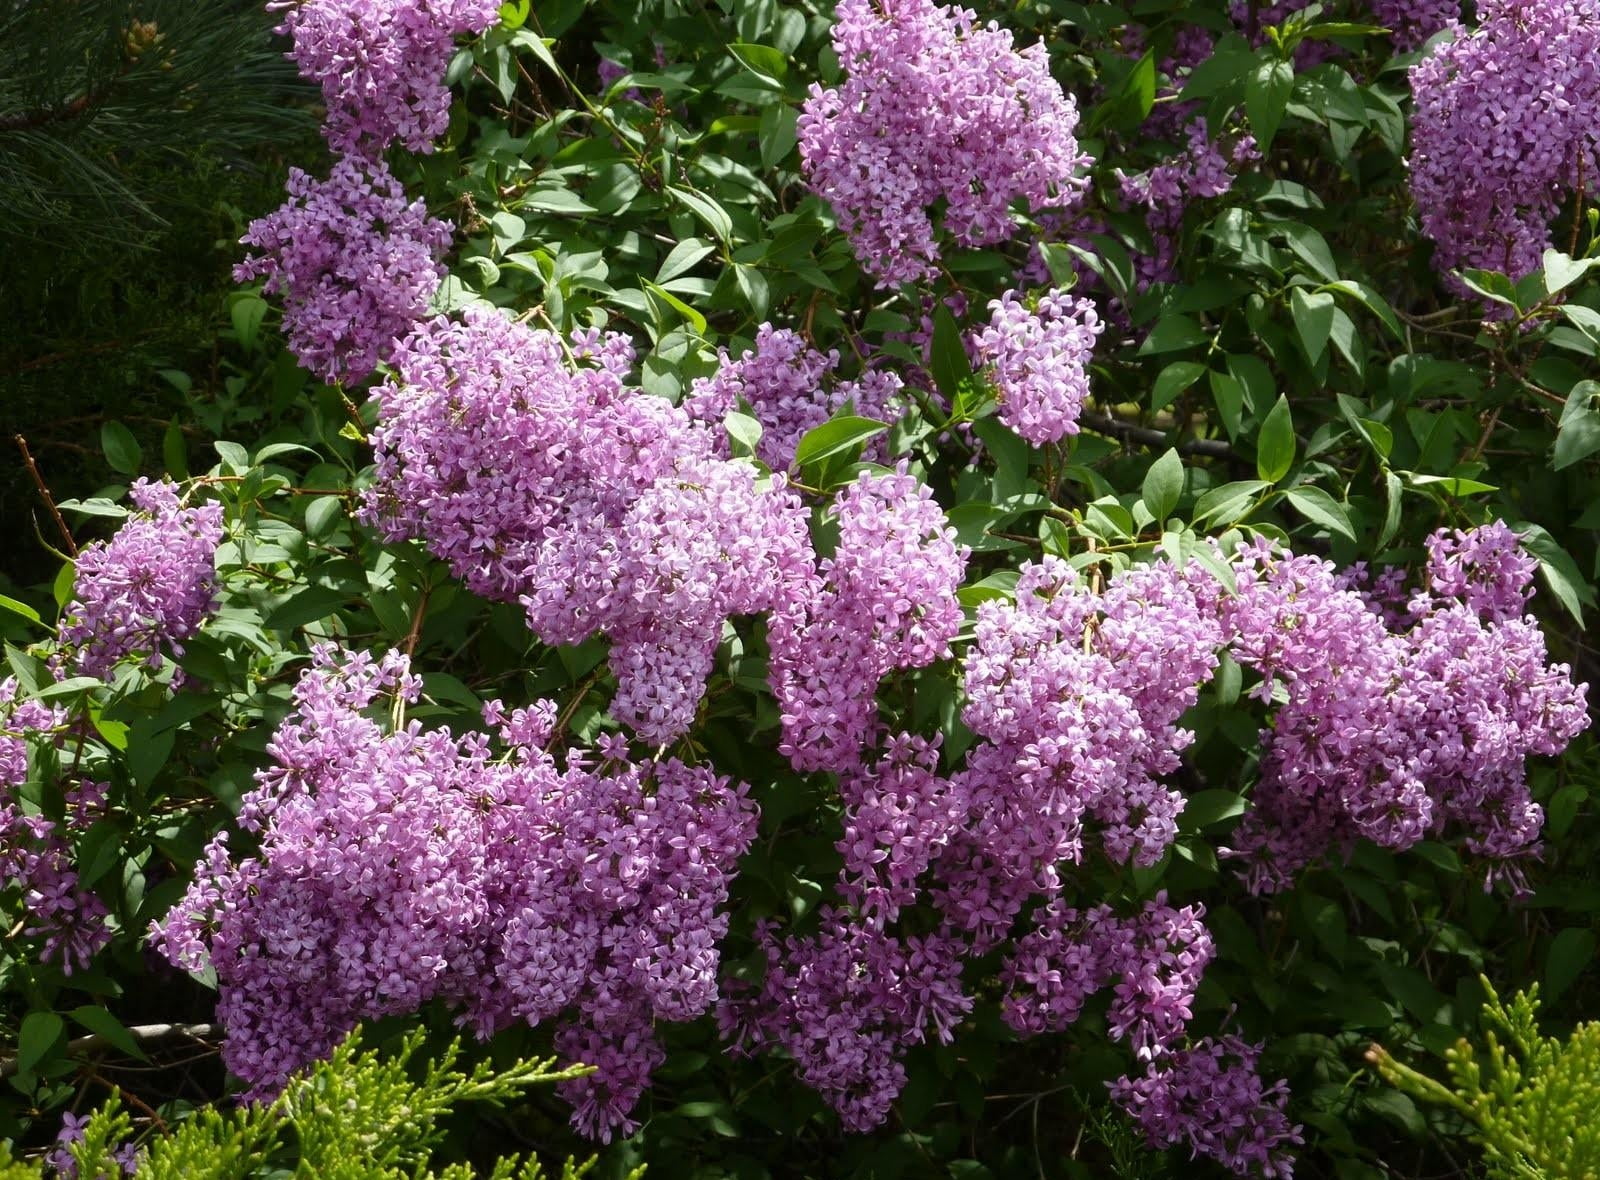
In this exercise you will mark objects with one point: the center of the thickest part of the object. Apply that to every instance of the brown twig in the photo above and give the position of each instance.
(44, 491)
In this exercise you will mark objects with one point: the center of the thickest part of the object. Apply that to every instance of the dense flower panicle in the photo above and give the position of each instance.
(600, 508)
(355, 263)
(789, 387)
(396, 868)
(1205, 168)
(885, 600)
(1397, 726)
(381, 65)
(147, 589)
(845, 1004)
(935, 108)
(1507, 121)
(1210, 1098)
(1040, 360)
(36, 856)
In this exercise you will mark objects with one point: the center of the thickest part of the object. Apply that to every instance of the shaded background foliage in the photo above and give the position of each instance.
(1307, 278)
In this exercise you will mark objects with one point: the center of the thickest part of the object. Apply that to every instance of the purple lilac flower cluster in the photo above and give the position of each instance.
(1205, 168)
(381, 65)
(1040, 361)
(600, 508)
(1210, 1097)
(786, 383)
(1398, 724)
(395, 868)
(148, 588)
(935, 107)
(355, 263)
(36, 851)
(1507, 121)
(1412, 22)
(885, 600)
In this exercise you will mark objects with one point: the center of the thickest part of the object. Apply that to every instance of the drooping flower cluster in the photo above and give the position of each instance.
(1205, 168)
(1040, 358)
(1210, 1097)
(356, 265)
(1397, 727)
(148, 588)
(1507, 121)
(36, 855)
(934, 108)
(885, 600)
(790, 389)
(600, 508)
(400, 867)
(381, 65)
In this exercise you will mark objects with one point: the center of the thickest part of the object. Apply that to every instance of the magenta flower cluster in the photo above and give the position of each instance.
(396, 867)
(790, 388)
(602, 509)
(1039, 358)
(381, 65)
(147, 589)
(355, 262)
(935, 109)
(1507, 122)
(36, 856)
(1401, 723)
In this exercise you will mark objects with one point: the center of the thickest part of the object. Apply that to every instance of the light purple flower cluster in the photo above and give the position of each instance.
(790, 389)
(1205, 168)
(356, 265)
(395, 868)
(935, 108)
(1397, 726)
(1210, 1097)
(1040, 361)
(603, 510)
(885, 600)
(381, 65)
(148, 588)
(35, 851)
(1507, 121)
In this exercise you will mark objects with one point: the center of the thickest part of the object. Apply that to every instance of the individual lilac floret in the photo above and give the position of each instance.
(935, 108)
(147, 589)
(1040, 359)
(36, 856)
(1505, 131)
(1210, 1098)
(790, 388)
(399, 867)
(71, 1132)
(355, 263)
(381, 65)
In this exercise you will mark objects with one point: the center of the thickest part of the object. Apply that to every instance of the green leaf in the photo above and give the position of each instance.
(834, 437)
(763, 61)
(1559, 571)
(38, 1035)
(712, 215)
(952, 372)
(1204, 808)
(71, 687)
(682, 259)
(247, 312)
(1570, 952)
(1561, 270)
(122, 450)
(1313, 320)
(1275, 448)
(19, 608)
(1228, 503)
(778, 134)
(1173, 333)
(1163, 485)
(110, 1029)
(1578, 435)
(1393, 494)
(695, 319)
(1173, 380)
(1320, 508)
(743, 431)
(1371, 300)
(1266, 95)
